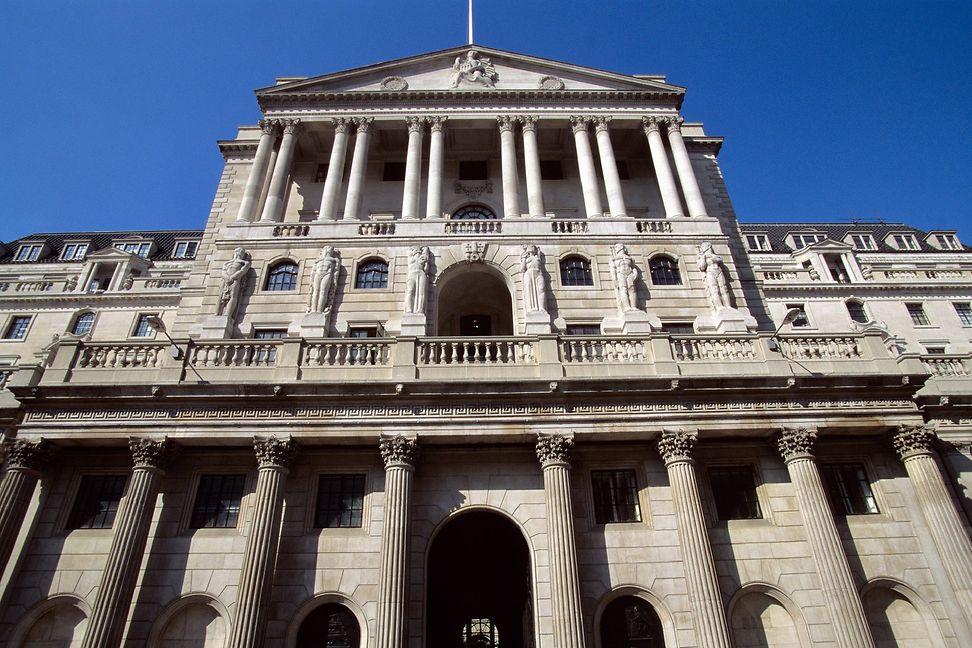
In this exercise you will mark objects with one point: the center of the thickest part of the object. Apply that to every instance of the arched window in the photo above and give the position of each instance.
(630, 622)
(473, 212)
(664, 271)
(372, 273)
(282, 276)
(83, 323)
(576, 271)
(856, 311)
(330, 625)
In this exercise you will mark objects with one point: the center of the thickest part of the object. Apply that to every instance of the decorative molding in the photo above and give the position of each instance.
(796, 443)
(677, 445)
(553, 448)
(436, 122)
(475, 251)
(471, 191)
(268, 126)
(505, 123)
(414, 124)
(273, 451)
(290, 126)
(32, 455)
(148, 453)
(601, 123)
(674, 124)
(363, 124)
(579, 123)
(396, 450)
(550, 83)
(394, 84)
(528, 122)
(651, 124)
(341, 124)
(912, 440)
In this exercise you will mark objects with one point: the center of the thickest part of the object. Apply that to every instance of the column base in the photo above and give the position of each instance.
(214, 327)
(725, 320)
(537, 323)
(630, 322)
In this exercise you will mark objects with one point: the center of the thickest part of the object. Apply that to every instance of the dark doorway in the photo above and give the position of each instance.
(473, 325)
(479, 591)
(474, 301)
(630, 622)
(330, 626)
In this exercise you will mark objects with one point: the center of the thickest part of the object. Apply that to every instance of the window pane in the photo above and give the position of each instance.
(83, 323)
(143, 328)
(340, 501)
(17, 329)
(849, 489)
(917, 313)
(576, 271)
(964, 312)
(734, 489)
(217, 502)
(372, 274)
(615, 496)
(473, 212)
(282, 276)
(856, 311)
(664, 272)
(97, 501)
(583, 329)
(801, 320)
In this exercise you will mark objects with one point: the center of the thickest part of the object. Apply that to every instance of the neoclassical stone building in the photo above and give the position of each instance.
(472, 351)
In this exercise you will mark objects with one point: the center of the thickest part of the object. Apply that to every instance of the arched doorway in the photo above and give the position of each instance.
(480, 592)
(631, 622)
(474, 302)
(329, 626)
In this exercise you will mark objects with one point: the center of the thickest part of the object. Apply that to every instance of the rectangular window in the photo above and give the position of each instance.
(582, 329)
(141, 249)
(393, 172)
(74, 251)
(269, 334)
(217, 502)
(551, 170)
(863, 242)
(935, 350)
(321, 174)
(473, 170)
(905, 241)
(615, 496)
(917, 312)
(678, 328)
(758, 242)
(268, 355)
(856, 311)
(363, 332)
(97, 501)
(964, 312)
(142, 326)
(340, 501)
(801, 320)
(17, 328)
(28, 252)
(185, 249)
(848, 489)
(947, 242)
(801, 241)
(734, 489)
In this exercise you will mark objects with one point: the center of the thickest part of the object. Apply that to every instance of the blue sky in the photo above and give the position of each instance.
(830, 110)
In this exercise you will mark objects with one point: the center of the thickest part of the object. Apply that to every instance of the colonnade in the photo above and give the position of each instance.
(269, 175)
(113, 598)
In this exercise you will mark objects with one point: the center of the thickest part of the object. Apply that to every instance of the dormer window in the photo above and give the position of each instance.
(947, 242)
(863, 242)
(757, 243)
(801, 241)
(74, 251)
(905, 241)
(185, 249)
(141, 248)
(29, 252)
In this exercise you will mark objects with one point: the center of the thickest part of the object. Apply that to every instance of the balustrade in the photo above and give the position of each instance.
(360, 352)
(568, 227)
(779, 275)
(291, 230)
(473, 227)
(376, 229)
(950, 365)
(473, 351)
(244, 353)
(577, 349)
(120, 356)
(706, 348)
(820, 348)
(654, 226)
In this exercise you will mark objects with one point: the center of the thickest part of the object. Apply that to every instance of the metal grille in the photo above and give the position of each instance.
(217, 502)
(282, 276)
(340, 501)
(96, 503)
(615, 496)
(849, 489)
(576, 271)
(734, 490)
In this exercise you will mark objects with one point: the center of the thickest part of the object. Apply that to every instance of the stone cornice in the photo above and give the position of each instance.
(888, 289)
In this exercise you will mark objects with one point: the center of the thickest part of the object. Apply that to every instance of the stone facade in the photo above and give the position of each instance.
(472, 350)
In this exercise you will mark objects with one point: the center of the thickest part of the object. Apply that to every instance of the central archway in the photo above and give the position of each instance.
(474, 302)
(480, 592)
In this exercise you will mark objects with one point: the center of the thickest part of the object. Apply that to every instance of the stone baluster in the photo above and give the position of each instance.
(260, 556)
(398, 454)
(663, 170)
(511, 199)
(258, 172)
(609, 167)
(585, 166)
(531, 162)
(711, 629)
(566, 612)
(25, 461)
(359, 167)
(683, 164)
(915, 445)
(413, 168)
(846, 612)
(436, 153)
(109, 613)
(273, 208)
(335, 170)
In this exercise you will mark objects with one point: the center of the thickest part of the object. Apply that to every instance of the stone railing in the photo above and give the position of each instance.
(376, 229)
(353, 352)
(713, 348)
(779, 275)
(654, 226)
(124, 355)
(34, 286)
(234, 353)
(291, 230)
(568, 226)
(601, 349)
(947, 365)
(821, 348)
(475, 351)
(944, 274)
(473, 227)
(901, 274)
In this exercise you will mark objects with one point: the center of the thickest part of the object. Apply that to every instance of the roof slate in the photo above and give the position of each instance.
(777, 233)
(165, 241)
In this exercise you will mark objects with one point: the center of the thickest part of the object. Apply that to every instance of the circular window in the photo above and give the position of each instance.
(474, 212)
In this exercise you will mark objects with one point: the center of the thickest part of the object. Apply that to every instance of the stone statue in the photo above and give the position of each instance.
(716, 288)
(534, 282)
(324, 281)
(474, 69)
(72, 283)
(416, 285)
(232, 282)
(625, 274)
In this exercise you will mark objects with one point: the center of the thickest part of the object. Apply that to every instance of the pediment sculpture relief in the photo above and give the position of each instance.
(475, 69)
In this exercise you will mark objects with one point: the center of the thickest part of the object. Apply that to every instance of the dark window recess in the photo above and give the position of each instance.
(320, 175)
(801, 320)
(615, 496)
(848, 489)
(937, 350)
(269, 334)
(473, 212)
(217, 502)
(838, 272)
(363, 332)
(734, 489)
(917, 312)
(282, 276)
(473, 170)
(331, 625)
(481, 633)
(964, 312)
(372, 273)
(583, 329)
(630, 622)
(97, 501)
(393, 172)
(678, 328)
(623, 172)
(83, 324)
(576, 271)
(856, 311)
(551, 170)
(340, 501)
(664, 271)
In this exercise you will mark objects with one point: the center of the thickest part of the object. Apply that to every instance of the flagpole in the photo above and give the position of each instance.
(470, 22)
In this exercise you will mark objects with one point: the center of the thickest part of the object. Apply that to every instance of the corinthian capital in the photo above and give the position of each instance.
(32, 455)
(553, 448)
(436, 122)
(677, 445)
(911, 440)
(528, 122)
(414, 124)
(290, 126)
(796, 443)
(363, 124)
(505, 122)
(601, 123)
(651, 124)
(341, 124)
(271, 451)
(673, 124)
(268, 126)
(398, 450)
(149, 453)
(578, 123)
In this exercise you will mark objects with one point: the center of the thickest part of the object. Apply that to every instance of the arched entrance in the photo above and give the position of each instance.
(480, 592)
(474, 302)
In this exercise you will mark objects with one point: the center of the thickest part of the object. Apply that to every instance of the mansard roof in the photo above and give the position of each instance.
(777, 233)
(165, 241)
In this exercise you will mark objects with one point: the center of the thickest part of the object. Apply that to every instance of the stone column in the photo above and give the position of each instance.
(413, 168)
(273, 209)
(436, 152)
(566, 612)
(686, 174)
(663, 171)
(846, 612)
(260, 556)
(398, 454)
(25, 461)
(109, 613)
(258, 172)
(359, 167)
(711, 629)
(531, 162)
(585, 165)
(609, 167)
(335, 170)
(915, 445)
(511, 199)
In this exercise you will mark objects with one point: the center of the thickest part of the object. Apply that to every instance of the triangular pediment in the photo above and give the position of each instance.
(457, 70)
(830, 245)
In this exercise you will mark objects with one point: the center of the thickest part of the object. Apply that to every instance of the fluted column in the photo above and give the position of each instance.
(335, 170)
(413, 168)
(711, 629)
(847, 614)
(915, 445)
(110, 610)
(398, 454)
(609, 167)
(273, 209)
(531, 162)
(585, 166)
(359, 167)
(686, 174)
(511, 199)
(566, 612)
(663, 171)
(436, 152)
(25, 461)
(258, 172)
